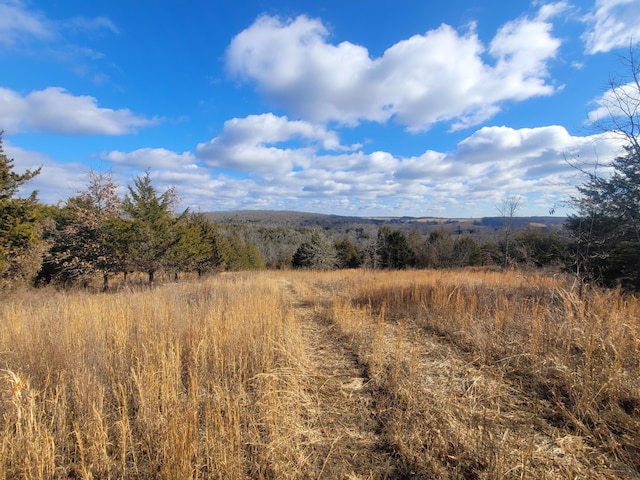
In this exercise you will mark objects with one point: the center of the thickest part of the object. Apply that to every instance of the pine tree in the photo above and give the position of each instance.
(196, 249)
(347, 255)
(317, 253)
(393, 249)
(152, 234)
(606, 228)
(20, 221)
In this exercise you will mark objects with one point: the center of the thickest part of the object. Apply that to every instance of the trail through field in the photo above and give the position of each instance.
(420, 407)
(349, 443)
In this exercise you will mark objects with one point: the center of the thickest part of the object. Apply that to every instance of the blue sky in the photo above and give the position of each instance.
(354, 108)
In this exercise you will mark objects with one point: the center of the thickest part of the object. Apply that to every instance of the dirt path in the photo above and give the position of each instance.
(349, 445)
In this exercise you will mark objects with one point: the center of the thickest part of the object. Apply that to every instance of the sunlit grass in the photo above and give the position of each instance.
(475, 374)
(525, 339)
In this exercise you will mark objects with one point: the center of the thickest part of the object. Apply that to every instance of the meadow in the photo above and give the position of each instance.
(356, 374)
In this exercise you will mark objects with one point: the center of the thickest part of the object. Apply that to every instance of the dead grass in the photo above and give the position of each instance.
(464, 375)
(500, 375)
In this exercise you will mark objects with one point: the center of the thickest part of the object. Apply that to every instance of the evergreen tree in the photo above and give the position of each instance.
(420, 248)
(20, 225)
(440, 249)
(347, 255)
(152, 234)
(196, 249)
(536, 248)
(317, 253)
(466, 252)
(393, 249)
(606, 227)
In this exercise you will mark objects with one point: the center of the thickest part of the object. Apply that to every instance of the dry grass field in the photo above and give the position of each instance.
(347, 375)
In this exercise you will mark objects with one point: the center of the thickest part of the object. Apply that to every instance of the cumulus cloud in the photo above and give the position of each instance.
(249, 144)
(434, 77)
(531, 153)
(533, 162)
(491, 161)
(612, 24)
(54, 110)
(153, 158)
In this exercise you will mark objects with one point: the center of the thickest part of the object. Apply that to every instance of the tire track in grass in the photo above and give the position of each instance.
(348, 443)
(394, 401)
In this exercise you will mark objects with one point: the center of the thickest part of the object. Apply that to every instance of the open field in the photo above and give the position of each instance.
(346, 374)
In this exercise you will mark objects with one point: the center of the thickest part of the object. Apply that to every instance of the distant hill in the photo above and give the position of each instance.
(484, 226)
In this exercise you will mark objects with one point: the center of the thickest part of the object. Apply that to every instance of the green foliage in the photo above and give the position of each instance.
(20, 225)
(466, 252)
(420, 248)
(535, 248)
(440, 249)
(11, 181)
(197, 247)
(317, 253)
(152, 234)
(393, 249)
(236, 251)
(347, 255)
(607, 227)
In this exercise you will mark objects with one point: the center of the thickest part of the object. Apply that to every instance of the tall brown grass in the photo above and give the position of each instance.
(473, 374)
(530, 346)
(183, 381)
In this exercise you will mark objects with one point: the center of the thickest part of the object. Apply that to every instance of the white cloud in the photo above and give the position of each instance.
(85, 24)
(56, 181)
(155, 158)
(249, 144)
(532, 153)
(493, 160)
(533, 162)
(612, 24)
(619, 103)
(27, 30)
(54, 110)
(18, 23)
(438, 76)
(550, 10)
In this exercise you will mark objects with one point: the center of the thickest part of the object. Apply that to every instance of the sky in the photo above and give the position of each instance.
(365, 108)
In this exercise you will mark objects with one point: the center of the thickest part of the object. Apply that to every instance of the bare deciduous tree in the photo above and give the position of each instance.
(508, 207)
